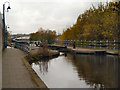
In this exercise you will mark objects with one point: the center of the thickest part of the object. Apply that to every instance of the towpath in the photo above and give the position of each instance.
(14, 73)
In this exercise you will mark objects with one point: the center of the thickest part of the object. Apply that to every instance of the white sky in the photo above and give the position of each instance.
(28, 16)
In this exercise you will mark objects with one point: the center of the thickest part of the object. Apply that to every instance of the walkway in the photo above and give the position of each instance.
(15, 74)
(93, 51)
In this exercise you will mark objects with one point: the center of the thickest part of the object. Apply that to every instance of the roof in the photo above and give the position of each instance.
(25, 37)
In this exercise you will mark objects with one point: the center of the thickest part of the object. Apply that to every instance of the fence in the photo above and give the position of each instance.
(23, 46)
(115, 45)
(91, 44)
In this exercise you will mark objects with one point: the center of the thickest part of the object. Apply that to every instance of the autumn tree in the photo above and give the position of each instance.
(43, 35)
(101, 23)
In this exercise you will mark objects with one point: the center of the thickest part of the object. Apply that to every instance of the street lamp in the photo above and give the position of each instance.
(4, 27)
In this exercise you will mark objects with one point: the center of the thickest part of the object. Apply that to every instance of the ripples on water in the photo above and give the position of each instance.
(79, 71)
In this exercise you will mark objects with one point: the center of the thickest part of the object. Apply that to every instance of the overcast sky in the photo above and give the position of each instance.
(28, 16)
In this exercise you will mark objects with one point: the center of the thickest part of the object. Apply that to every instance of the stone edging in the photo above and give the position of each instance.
(34, 75)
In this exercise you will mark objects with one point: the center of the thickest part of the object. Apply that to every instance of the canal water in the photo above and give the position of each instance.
(79, 71)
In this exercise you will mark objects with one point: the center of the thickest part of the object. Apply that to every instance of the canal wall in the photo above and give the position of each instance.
(91, 51)
(83, 50)
(34, 75)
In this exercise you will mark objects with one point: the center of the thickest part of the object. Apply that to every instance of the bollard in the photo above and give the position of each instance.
(74, 45)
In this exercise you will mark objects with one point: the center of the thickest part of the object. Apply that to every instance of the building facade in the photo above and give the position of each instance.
(1, 28)
(1, 47)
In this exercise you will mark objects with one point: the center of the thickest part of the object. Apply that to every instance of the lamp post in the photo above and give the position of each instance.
(4, 27)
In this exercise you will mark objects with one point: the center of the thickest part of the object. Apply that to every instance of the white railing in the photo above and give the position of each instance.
(90, 44)
(84, 44)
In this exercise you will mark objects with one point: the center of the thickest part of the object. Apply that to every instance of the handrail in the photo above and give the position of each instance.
(23, 46)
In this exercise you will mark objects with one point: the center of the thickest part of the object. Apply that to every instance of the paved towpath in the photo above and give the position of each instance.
(15, 74)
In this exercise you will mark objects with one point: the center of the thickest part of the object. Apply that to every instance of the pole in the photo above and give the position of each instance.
(4, 44)
(4, 26)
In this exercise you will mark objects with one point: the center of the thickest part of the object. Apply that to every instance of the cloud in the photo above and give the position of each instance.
(29, 15)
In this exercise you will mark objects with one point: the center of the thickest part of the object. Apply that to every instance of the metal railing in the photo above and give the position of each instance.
(24, 46)
(114, 45)
(91, 44)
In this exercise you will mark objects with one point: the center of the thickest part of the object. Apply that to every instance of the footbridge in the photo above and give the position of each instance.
(26, 47)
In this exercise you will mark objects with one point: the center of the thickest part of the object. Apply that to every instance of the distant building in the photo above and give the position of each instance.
(21, 39)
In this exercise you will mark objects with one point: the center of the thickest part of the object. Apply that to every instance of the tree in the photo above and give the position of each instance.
(43, 35)
(102, 23)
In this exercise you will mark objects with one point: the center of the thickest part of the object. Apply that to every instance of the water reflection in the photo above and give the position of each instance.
(43, 66)
(95, 71)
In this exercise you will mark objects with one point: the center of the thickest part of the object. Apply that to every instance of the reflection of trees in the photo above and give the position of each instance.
(97, 71)
(43, 66)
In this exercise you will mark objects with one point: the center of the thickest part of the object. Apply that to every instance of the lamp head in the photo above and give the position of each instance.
(8, 8)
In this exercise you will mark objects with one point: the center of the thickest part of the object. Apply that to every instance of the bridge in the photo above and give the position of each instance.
(81, 47)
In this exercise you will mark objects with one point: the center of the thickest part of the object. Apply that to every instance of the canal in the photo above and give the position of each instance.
(79, 71)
